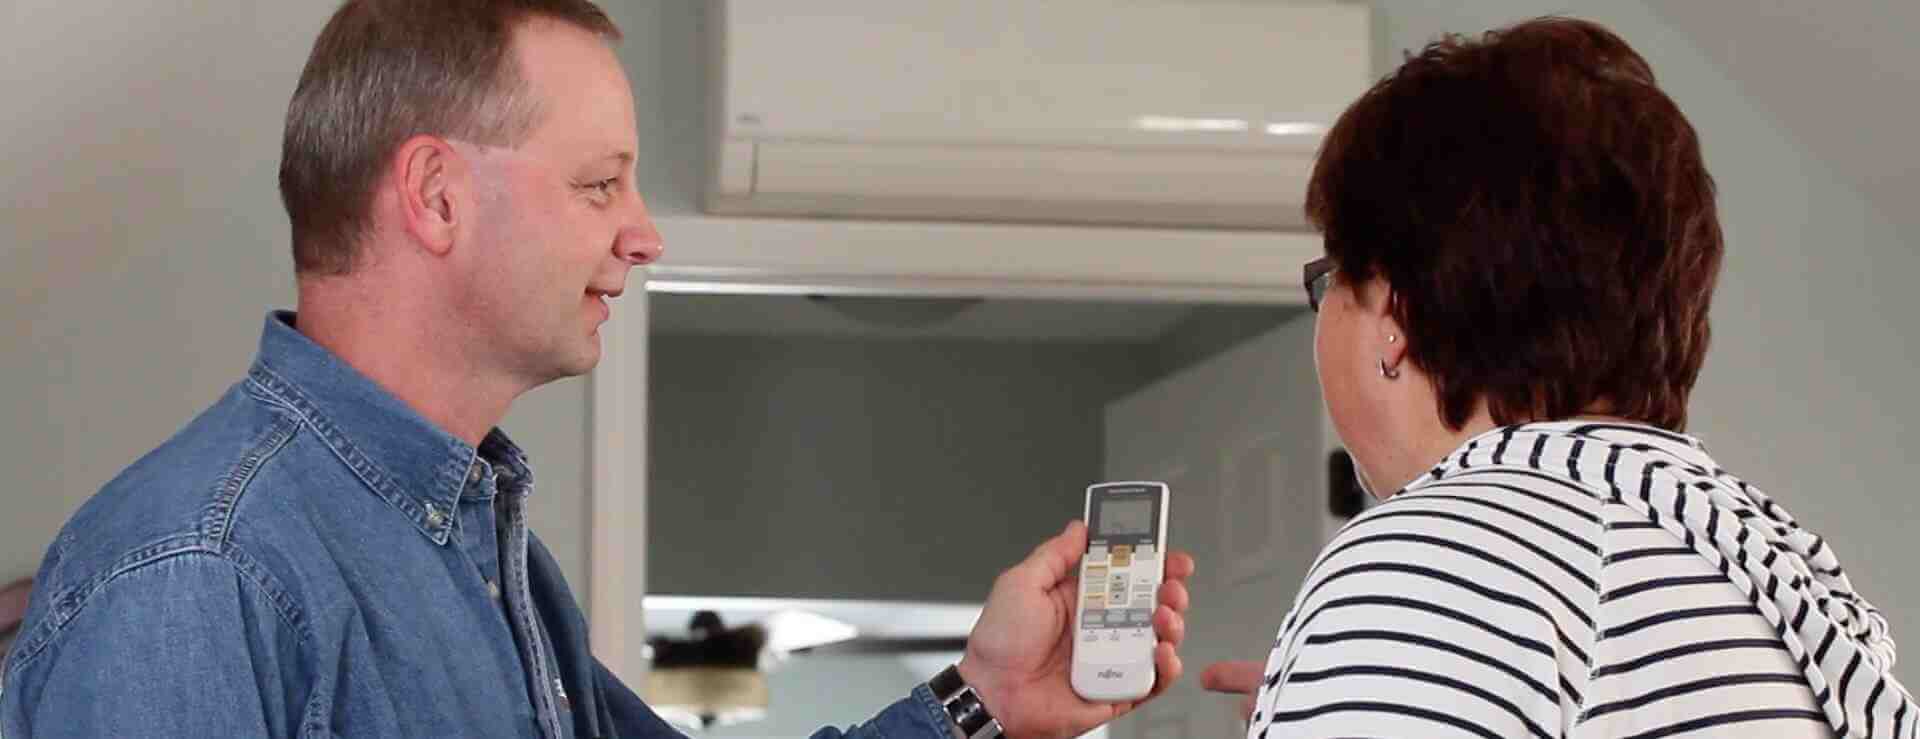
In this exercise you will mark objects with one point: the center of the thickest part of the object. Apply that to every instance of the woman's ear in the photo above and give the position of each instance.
(1390, 335)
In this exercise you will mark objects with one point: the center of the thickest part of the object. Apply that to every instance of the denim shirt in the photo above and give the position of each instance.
(310, 557)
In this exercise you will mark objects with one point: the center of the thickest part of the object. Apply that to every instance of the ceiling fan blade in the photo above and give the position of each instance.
(880, 645)
(668, 615)
(795, 630)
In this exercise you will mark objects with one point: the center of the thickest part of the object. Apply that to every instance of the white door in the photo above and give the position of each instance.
(617, 512)
(1241, 440)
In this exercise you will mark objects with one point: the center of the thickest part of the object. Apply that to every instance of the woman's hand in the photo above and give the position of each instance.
(1242, 678)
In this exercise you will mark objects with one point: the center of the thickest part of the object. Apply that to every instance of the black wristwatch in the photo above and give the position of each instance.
(970, 717)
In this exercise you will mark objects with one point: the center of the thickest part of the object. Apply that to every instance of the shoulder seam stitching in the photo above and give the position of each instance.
(65, 612)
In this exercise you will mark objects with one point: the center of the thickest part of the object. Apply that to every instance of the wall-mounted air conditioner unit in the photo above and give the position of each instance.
(1199, 113)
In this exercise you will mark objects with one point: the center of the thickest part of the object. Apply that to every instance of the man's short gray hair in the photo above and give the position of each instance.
(383, 71)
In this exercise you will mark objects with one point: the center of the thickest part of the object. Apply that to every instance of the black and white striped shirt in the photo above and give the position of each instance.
(1580, 580)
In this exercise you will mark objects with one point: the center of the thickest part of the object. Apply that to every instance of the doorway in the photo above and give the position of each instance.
(901, 451)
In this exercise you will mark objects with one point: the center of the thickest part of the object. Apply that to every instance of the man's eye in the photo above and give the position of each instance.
(605, 187)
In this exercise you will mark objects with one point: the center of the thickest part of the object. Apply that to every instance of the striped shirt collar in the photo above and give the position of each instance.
(1500, 444)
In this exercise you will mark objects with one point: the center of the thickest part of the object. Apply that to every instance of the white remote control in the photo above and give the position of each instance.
(1119, 590)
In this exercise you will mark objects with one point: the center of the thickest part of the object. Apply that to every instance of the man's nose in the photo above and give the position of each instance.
(639, 244)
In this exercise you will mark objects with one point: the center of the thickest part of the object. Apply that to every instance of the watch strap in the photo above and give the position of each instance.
(970, 717)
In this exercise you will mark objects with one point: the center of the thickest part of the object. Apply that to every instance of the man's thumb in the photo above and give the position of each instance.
(1056, 557)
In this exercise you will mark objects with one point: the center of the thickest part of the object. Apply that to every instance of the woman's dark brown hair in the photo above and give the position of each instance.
(1541, 213)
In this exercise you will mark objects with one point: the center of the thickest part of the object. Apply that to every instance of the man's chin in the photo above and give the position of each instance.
(575, 363)
(587, 359)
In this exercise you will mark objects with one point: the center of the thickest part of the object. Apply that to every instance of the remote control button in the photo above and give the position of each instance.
(1144, 552)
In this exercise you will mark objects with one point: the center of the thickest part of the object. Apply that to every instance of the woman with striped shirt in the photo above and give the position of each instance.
(1521, 250)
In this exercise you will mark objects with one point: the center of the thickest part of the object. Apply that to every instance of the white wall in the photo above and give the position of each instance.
(143, 238)
(666, 59)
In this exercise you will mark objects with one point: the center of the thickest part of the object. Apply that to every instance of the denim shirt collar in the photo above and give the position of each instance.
(415, 466)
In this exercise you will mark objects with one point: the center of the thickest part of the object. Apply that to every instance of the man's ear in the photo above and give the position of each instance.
(425, 171)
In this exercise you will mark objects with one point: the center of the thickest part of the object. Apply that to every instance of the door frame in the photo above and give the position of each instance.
(758, 256)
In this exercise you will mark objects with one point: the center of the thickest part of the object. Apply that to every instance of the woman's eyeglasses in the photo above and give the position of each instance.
(1319, 276)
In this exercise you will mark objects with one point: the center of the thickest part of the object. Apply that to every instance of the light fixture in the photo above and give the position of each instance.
(1295, 129)
(895, 312)
(1179, 124)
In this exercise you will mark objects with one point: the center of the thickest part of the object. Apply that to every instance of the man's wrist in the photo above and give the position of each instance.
(967, 710)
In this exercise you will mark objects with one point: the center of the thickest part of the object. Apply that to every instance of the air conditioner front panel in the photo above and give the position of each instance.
(1061, 72)
(1152, 112)
(1218, 188)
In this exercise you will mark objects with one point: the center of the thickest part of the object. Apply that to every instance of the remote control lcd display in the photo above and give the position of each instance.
(1126, 517)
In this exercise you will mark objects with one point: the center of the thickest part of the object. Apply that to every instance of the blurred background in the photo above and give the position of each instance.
(933, 268)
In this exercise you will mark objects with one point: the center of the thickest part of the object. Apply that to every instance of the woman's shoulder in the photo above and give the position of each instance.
(1487, 539)
(1503, 502)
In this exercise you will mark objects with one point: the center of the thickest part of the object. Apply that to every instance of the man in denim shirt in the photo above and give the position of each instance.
(338, 547)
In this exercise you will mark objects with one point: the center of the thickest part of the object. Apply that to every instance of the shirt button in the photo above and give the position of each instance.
(493, 589)
(473, 473)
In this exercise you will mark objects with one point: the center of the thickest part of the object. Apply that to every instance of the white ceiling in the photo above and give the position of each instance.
(1841, 77)
(913, 318)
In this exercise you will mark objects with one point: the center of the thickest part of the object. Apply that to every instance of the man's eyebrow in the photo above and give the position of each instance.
(624, 157)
